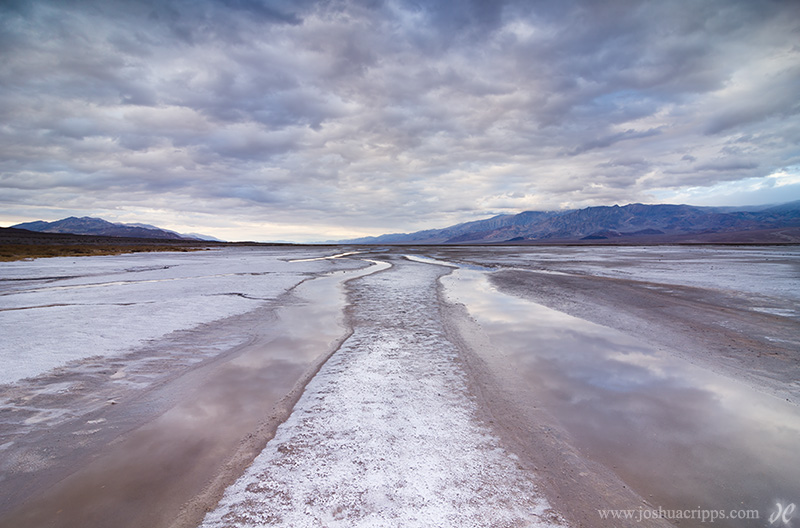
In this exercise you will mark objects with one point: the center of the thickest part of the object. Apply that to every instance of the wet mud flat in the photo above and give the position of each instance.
(150, 438)
(598, 419)
(388, 433)
(461, 387)
(719, 330)
(735, 310)
(677, 400)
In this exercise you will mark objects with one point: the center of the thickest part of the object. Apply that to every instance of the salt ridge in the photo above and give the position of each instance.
(387, 434)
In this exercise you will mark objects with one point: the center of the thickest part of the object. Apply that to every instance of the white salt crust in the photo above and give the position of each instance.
(386, 434)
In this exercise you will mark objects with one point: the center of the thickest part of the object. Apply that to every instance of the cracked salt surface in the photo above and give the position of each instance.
(60, 310)
(386, 434)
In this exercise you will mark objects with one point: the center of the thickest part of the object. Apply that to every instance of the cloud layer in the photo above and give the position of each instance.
(328, 119)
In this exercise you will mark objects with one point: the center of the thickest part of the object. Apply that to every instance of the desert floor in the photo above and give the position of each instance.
(449, 386)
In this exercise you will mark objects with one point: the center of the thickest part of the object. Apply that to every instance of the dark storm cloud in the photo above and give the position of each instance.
(726, 166)
(388, 114)
(609, 140)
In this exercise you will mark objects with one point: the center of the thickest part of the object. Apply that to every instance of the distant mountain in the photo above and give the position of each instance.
(97, 226)
(604, 223)
(198, 236)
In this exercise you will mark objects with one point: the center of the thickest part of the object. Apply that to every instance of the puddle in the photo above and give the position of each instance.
(681, 436)
(146, 477)
(446, 263)
(429, 260)
(783, 312)
(338, 255)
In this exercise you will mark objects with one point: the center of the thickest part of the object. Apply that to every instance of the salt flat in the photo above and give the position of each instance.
(386, 434)
(58, 310)
(396, 386)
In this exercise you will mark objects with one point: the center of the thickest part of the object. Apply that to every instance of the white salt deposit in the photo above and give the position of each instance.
(386, 435)
(428, 260)
(53, 311)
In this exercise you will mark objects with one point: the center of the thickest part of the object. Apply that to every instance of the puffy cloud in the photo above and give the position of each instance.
(367, 116)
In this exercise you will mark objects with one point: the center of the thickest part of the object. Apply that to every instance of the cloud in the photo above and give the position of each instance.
(726, 166)
(777, 188)
(611, 139)
(367, 116)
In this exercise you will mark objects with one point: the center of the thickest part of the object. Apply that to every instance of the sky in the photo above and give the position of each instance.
(318, 120)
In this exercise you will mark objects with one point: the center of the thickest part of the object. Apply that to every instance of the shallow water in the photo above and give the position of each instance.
(112, 305)
(386, 434)
(683, 437)
(143, 478)
(763, 272)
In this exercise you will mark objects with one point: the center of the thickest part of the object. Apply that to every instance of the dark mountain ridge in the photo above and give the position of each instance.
(602, 223)
(88, 225)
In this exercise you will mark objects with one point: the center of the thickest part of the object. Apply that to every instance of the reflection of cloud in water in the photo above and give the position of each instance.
(188, 428)
(681, 433)
(761, 272)
(112, 305)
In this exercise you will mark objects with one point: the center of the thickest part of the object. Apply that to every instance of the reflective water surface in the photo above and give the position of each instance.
(145, 477)
(682, 436)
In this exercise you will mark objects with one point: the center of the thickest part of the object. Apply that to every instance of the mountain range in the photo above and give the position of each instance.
(97, 226)
(633, 224)
(630, 223)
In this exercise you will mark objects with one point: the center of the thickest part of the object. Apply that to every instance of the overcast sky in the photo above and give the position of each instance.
(307, 121)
